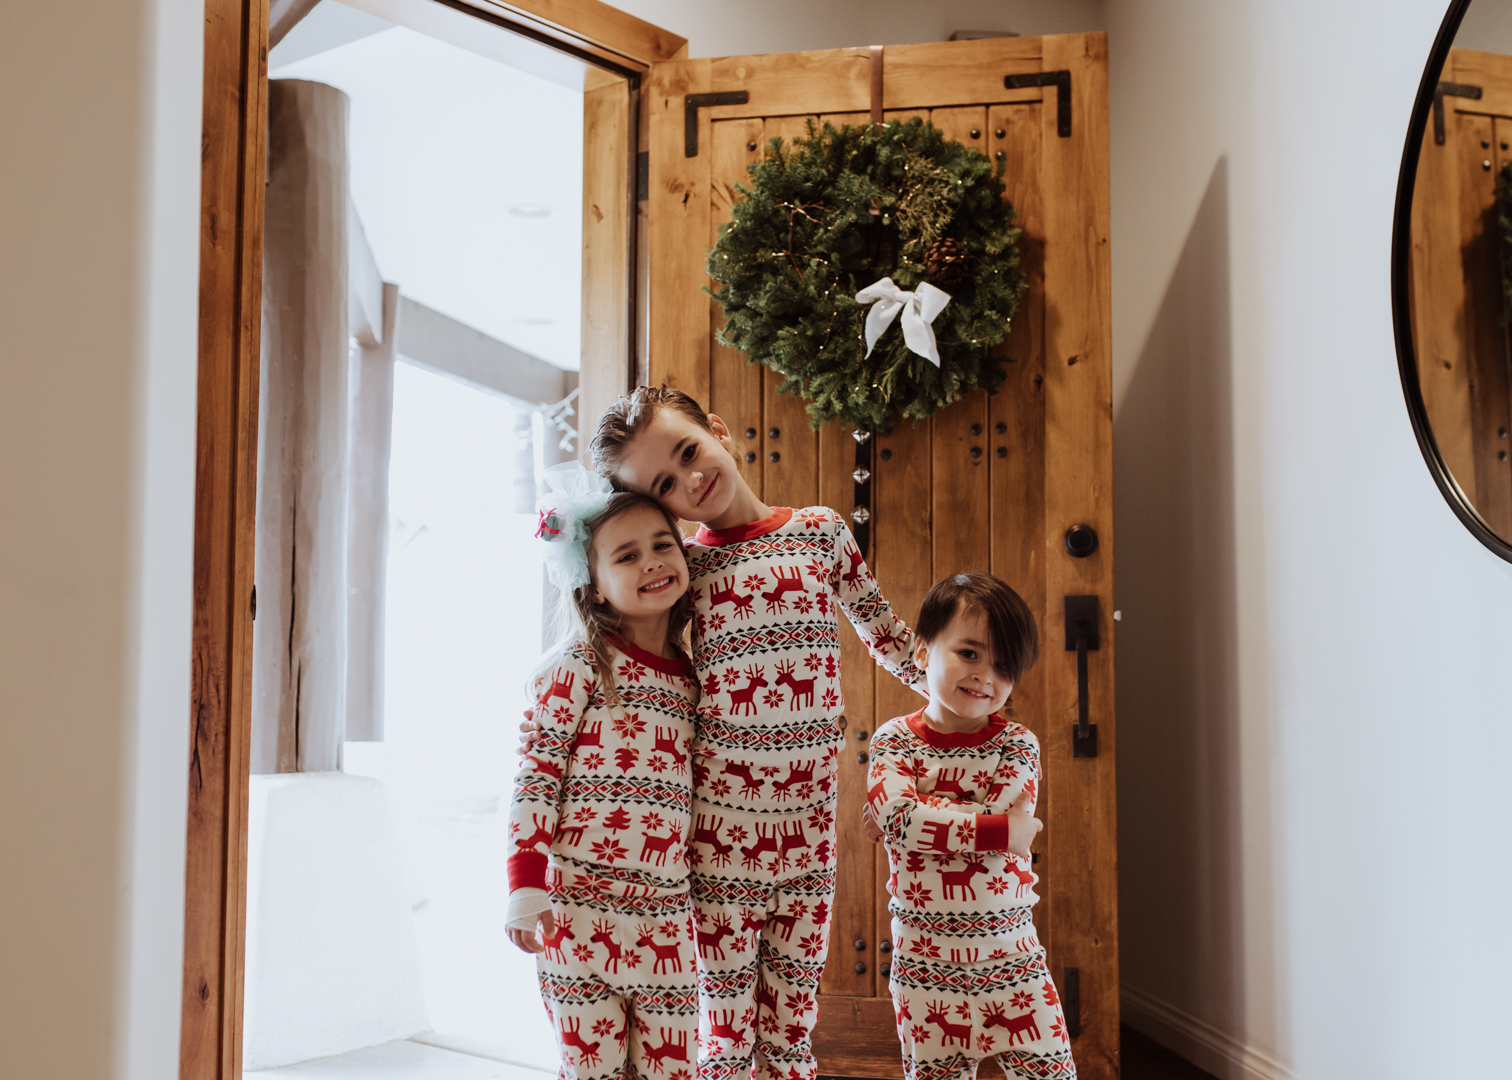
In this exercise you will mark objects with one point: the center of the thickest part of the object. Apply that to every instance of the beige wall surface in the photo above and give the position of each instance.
(99, 217)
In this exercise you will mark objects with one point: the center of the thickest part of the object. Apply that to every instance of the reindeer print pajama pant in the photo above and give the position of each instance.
(952, 1016)
(619, 980)
(763, 886)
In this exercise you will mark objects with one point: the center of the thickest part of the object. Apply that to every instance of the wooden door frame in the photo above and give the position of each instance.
(233, 143)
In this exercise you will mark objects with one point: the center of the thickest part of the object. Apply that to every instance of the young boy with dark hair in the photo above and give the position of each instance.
(952, 789)
(765, 584)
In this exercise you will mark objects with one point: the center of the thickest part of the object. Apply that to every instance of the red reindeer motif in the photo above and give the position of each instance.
(591, 735)
(853, 576)
(747, 776)
(746, 695)
(1020, 1028)
(571, 834)
(801, 688)
(785, 584)
(727, 595)
(658, 845)
(875, 792)
(726, 1029)
(949, 1032)
(667, 743)
(603, 934)
(665, 954)
(751, 920)
(766, 997)
(948, 782)
(552, 942)
(796, 775)
(677, 1051)
(719, 853)
(785, 924)
(791, 841)
(952, 880)
(1025, 878)
(542, 835)
(570, 1037)
(766, 841)
(885, 640)
(559, 687)
(547, 767)
(713, 939)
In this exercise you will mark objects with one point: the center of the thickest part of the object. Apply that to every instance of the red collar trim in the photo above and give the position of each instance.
(945, 740)
(673, 665)
(779, 517)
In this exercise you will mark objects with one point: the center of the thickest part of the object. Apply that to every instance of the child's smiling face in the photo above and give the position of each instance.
(685, 467)
(964, 683)
(638, 564)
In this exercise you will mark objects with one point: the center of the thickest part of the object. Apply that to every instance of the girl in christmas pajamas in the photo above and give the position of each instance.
(952, 789)
(767, 586)
(598, 825)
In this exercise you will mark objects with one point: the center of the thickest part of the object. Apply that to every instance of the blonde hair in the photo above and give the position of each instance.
(593, 623)
(623, 420)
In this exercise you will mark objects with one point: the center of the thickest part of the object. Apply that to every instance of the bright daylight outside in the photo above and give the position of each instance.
(376, 943)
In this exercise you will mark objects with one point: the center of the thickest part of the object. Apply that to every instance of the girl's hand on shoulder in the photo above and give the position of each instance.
(526, 940)
(1023, 826)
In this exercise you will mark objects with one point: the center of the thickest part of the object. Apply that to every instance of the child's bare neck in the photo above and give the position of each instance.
(649, 633)
(744, 509)
(947, 722)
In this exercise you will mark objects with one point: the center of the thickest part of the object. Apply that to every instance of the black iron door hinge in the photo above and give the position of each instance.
(1449, 89)
(693, 102)
(1061, 80)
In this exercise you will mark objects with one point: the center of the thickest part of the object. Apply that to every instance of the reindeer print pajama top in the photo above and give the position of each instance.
(968, 978)
(766, 649)
(600, 820)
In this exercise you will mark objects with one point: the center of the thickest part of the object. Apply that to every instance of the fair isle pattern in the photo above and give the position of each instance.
(952, 1016)
(928, 790)
(766, 649)
(621, 993)
(604, 796)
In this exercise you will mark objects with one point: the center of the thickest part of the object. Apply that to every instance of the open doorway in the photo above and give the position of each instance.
(422, 334)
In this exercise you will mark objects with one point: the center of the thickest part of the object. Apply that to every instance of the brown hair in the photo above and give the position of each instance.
(623, 420)
(1015, 640)
(595, 622)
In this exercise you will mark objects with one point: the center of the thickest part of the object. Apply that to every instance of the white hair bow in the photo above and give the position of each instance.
(575, 497)
(919, 309)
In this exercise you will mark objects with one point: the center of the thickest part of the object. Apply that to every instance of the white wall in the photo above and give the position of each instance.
(1313, 698)
(99, 197)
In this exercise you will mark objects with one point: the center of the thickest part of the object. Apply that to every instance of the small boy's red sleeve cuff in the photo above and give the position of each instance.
(992, 832)
(527, 870)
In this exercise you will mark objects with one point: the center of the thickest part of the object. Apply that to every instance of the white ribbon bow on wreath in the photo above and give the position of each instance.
(919, 309)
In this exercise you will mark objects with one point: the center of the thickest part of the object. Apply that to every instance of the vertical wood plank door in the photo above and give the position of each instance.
(989, 483)
(1457, 301)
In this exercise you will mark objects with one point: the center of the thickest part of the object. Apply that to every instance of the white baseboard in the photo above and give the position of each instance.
(1199, 1042)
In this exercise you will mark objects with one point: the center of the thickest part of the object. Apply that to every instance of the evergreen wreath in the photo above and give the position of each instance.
(824, 218)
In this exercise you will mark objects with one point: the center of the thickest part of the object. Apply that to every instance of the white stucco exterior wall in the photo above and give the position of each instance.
(99, 235)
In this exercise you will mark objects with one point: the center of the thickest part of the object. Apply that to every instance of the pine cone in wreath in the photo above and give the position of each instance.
(945, 261)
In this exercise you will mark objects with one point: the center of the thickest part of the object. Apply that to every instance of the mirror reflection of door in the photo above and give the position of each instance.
(1459, 302)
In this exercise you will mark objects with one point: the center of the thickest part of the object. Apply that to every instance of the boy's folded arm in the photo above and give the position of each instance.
(911, 822)
(563, 694)
(885, 636)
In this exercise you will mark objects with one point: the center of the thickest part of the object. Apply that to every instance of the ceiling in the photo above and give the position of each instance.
(465, 171)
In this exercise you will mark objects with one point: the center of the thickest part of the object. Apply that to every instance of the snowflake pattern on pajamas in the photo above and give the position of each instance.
(968, 977)
(600, 819)
(766, 650)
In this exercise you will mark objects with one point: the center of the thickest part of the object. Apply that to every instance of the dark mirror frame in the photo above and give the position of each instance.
(1401, 246)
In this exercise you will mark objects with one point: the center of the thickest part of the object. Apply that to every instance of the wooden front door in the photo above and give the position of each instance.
(1458, 306)
(990, 483)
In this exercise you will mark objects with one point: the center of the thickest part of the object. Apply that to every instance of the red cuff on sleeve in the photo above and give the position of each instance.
(991, 832)
(527, 870)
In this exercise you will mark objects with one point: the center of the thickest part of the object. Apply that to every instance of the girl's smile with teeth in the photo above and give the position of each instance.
(659, 584)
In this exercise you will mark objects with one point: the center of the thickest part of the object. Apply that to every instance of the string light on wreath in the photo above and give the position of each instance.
(852, 209)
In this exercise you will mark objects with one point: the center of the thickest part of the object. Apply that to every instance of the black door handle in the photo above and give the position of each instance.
(1081, 635)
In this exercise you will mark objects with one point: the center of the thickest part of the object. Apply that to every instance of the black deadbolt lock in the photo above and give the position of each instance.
(1081, 541)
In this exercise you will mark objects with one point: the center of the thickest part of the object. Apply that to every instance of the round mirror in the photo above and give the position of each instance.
(1451, 274)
